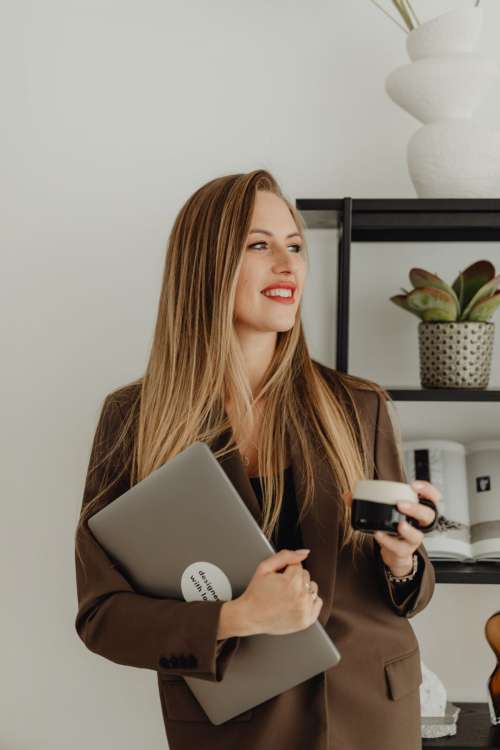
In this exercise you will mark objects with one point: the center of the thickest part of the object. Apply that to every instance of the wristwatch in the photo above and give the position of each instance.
(402, 579)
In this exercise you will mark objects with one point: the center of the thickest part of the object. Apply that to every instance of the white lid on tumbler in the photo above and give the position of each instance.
(383, 491)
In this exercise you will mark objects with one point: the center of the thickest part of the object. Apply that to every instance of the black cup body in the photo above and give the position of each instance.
(370, 516)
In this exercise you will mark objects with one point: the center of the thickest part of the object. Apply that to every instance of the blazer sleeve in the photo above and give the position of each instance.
(406, 599)
(113, 620)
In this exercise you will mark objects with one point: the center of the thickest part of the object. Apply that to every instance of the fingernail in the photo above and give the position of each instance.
(419, 485)
(404, 505)
(302, 551)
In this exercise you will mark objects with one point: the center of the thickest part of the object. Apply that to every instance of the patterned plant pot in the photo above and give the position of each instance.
(455, 354)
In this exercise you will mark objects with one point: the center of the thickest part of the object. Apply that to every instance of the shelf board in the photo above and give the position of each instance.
(405, 393)
(448, 571)
(407, 219)
(474, 730)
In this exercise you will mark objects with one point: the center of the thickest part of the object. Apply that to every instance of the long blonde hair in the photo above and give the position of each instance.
(195, 367)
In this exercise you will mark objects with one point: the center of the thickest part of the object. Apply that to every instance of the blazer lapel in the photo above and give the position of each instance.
(319, 528)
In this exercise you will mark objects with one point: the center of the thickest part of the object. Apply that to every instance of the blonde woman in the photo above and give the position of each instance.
(229, 365)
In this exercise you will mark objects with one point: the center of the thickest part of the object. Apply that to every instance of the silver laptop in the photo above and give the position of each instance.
(184, 533)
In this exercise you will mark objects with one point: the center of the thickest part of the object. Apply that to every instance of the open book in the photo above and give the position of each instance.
(468, 477)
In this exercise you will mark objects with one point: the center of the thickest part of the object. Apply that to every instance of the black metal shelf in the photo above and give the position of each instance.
(400, 393)
(448, 571)
(474, 730)
(409, 220)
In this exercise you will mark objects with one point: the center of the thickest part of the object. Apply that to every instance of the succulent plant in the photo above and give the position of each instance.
(472, 295)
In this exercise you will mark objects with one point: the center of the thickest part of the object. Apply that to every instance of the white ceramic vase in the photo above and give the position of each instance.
(451, 156)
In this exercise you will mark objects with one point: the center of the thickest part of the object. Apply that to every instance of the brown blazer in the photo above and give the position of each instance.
(369, 701)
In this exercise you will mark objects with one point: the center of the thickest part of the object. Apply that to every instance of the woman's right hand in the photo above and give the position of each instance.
(279, 603)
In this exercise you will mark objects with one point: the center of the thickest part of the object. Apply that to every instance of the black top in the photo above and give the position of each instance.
(289, 534)
(290, 537)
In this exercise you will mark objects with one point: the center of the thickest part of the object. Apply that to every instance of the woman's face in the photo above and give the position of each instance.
(273, 256)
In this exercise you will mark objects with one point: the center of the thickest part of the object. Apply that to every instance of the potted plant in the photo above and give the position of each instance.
(455, 335)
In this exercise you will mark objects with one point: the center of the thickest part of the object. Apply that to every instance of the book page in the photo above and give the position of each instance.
(443, 463)
(483, 472)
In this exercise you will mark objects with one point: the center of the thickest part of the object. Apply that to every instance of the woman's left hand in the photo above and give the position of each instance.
(397, 552)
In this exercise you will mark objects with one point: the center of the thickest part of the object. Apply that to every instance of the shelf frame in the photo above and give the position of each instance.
(408, 220)
(449, 571)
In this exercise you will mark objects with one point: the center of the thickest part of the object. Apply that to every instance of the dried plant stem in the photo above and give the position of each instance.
(389, 15)
(403, 11)
(407, 13)
(413, 12)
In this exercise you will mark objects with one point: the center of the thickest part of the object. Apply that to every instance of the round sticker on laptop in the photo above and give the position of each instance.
(204, 581)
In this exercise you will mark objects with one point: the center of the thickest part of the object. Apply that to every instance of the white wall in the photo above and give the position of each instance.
(113, 114)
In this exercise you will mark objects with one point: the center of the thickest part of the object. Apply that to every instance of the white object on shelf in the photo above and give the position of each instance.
(433, 697)
(433, 727)
(447, 34)
(438, 716)
(451, 156)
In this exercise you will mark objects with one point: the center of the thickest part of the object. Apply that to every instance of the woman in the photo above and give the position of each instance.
(229, 366)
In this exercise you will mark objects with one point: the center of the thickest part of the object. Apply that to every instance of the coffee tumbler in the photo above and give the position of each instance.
(374, 506)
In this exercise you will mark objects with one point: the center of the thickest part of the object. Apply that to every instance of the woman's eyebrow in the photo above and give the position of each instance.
(270, 234)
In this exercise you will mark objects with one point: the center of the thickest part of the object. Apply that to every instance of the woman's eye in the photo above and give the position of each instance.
(299, 247)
